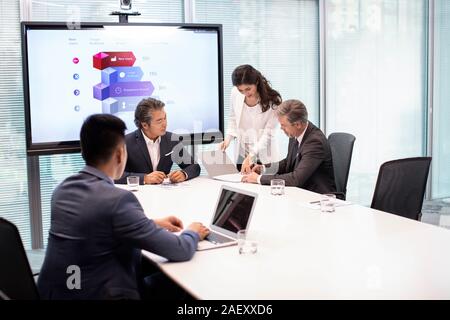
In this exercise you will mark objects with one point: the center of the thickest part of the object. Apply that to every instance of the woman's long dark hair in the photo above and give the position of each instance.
(246, 74)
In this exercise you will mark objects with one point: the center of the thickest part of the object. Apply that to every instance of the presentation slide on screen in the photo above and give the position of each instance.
(76, 73)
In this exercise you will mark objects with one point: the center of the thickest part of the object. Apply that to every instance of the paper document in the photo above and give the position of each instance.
(341, 203)
(233, 177)
(315, 205)
(168, 184)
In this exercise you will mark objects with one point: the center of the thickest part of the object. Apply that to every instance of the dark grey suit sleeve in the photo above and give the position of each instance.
(312, 155)
(275, 168)
(278, 167)
(130, 225)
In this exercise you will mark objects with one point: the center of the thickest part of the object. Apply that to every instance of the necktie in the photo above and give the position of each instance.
(294, 156)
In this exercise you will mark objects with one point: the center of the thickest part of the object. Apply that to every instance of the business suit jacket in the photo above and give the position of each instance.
(101, 229)
(140, 164)
(309, 167)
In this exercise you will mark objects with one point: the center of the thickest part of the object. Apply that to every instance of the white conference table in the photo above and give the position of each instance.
(354, 253)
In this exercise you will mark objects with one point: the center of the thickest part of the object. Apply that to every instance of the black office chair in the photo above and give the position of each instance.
(400, 187)
(341, 145)
(16, 278)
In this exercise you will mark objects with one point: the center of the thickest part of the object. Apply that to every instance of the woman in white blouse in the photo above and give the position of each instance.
(252, 120)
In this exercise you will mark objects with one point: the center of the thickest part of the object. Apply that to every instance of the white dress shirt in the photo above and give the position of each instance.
(153, 150)
(263, 125)
(300, 138)
(248, 128)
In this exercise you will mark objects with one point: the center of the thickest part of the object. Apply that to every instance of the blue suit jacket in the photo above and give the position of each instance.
(102, 229)
(140, 164)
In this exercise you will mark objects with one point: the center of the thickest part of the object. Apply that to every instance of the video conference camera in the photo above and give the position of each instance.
(125, 11)
(125, 4)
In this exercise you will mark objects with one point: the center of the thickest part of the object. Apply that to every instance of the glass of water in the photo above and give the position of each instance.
(246, 244)
(133, 183)
(277, 187)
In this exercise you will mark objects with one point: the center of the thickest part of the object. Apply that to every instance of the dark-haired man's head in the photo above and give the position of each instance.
(102, 139)
(151, 118)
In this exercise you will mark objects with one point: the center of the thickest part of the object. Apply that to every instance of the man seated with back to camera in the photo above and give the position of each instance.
(101, 229)
(152, 150)
(308, 164)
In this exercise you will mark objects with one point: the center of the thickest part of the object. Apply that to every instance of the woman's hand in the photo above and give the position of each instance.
(247, 165)
(225, 144)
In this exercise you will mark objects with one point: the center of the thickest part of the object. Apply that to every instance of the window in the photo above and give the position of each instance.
(99, 10)
(13, 166)
(279, 38)
(441, 129)
(55, 168)
(376, 79)
(376, 73)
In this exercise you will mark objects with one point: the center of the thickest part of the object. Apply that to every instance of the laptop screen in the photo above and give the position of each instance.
(233, 210)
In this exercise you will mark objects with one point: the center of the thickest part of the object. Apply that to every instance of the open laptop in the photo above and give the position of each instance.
(233, 212)
(217, 163)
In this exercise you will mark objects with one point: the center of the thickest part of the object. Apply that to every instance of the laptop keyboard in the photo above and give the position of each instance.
(217, 238)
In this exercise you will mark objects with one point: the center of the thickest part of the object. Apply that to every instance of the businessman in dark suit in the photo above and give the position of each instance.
(98, 230)
(308, 164)
(152, 150)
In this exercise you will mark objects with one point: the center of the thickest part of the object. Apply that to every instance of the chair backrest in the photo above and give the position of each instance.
(16, 278)
(401, 185)
(341, 145)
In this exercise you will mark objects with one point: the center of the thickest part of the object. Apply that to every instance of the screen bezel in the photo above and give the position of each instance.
(57, 147)
(245, 192)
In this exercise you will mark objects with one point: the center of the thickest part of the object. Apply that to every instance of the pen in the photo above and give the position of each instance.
(315, 202)
(167, 154)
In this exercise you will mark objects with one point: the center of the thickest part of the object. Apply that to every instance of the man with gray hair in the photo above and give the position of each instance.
(308, 164)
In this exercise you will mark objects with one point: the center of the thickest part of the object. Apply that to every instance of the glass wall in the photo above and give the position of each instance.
(99, 10)
(441, 111)
(13, 167)
(376, 79)
(376, 83)
(278, 37)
